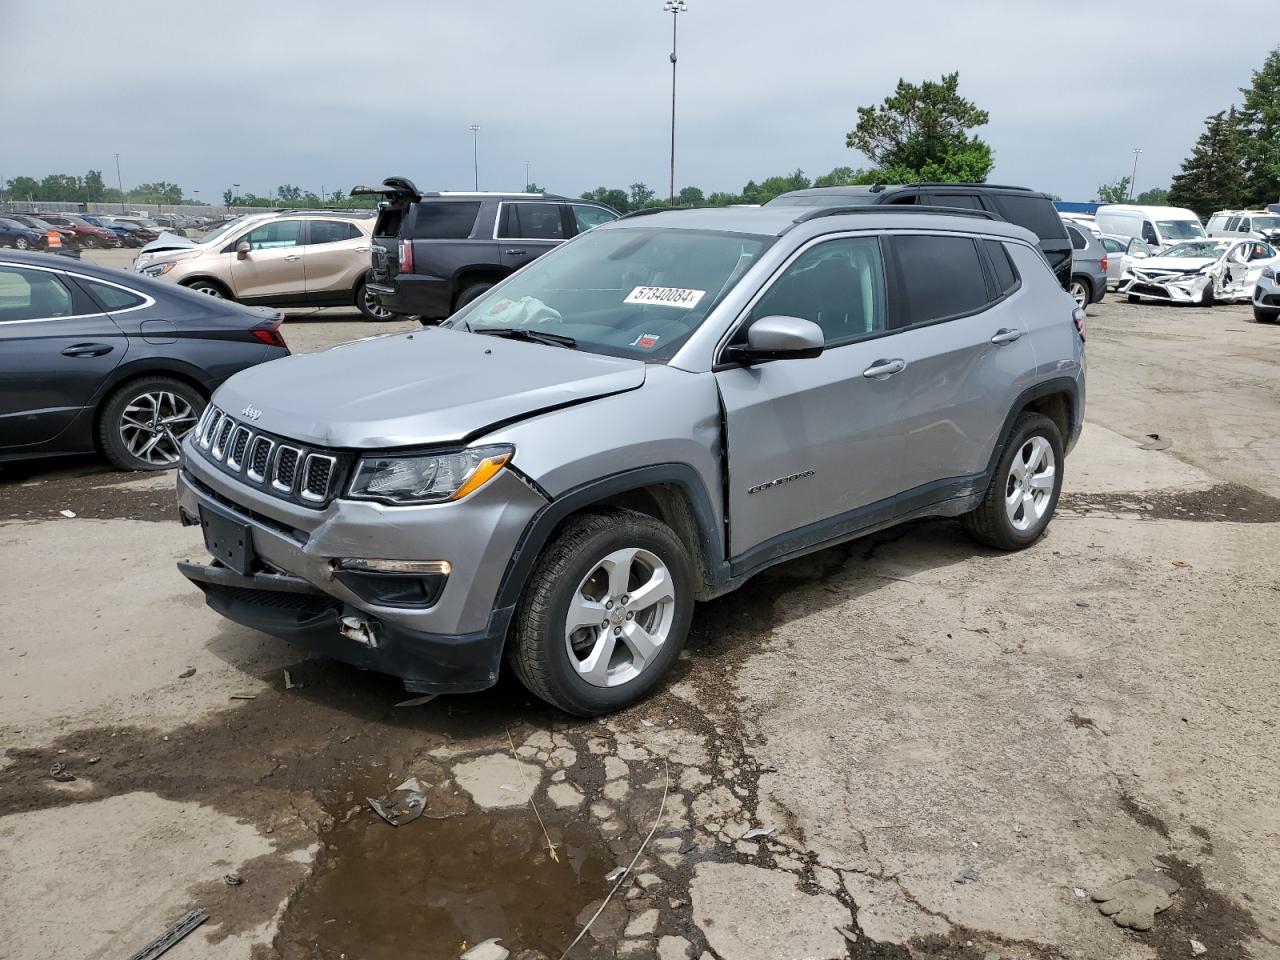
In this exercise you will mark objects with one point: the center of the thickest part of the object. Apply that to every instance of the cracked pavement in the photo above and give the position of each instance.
(952, 752)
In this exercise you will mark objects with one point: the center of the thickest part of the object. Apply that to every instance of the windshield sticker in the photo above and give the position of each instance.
(666, 297)
(646, 341)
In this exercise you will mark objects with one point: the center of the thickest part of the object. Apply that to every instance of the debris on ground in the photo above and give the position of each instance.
(93, 760)
(1079, 891)
(1156, 442)
(756, 832)
(1198, 948)
(161, 944)
(490, 949)
(551, 847)
(60, 773)
(233, 879)
(1134, 901)
(289, 684)
(69, 514)
(848, 934)
(614, 875)
(647, 723)
(967, 875)
(244, 696)
(417, 701)
(189, 672)
(1180, 563)
(402, 805)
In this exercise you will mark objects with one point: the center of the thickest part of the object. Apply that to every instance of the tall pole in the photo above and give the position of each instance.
(119, 181)
(475, 152)
(1133, 179)
(527, 181)
(675, 8)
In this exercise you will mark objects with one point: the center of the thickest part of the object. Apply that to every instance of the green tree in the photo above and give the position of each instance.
(159, 192)
(1213, 177)
(613, 198)
(1155, 197)
(94, 186)
(922, 133)
(534, 188)
(60, 186)
(289, 193)
(690, 197)
(641, 195)
(25, 188)
(227, 197)
(1117, 191)
(773, 186)
(1259, 121)
(847, 177)
(720, 199)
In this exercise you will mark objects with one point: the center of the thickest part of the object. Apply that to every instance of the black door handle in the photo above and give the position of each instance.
(87, 350)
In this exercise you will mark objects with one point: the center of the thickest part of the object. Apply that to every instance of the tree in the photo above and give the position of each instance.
(1213, 177)
(60, 186)
(227, 197)
(720, 199)
(1259, 124)
(289, 193)
(1155, 197)
(690, 197)
(94, 186)
(1117, 191)
(641, 195)
(773, 186)
(159, 192)
(534, 188)
(611, 198)
(922, 133)
(24, 187)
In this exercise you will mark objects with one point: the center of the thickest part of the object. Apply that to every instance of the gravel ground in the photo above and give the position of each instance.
(955, 750)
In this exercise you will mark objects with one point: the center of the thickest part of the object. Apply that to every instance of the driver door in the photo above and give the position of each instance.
(273, 266)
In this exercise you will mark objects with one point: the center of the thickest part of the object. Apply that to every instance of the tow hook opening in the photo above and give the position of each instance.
(358, 629)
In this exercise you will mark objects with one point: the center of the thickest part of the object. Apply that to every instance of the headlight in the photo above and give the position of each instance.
(1269, 273)
(158, 269)
(428, 479)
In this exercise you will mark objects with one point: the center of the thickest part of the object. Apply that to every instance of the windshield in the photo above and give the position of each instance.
(1266, 223)
(1205, 248)
(221, 232)
(628, 293)
(1180, 229)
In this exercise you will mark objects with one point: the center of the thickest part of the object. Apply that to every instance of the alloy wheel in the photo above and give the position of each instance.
(1029, 486)
(153, 425)
(21, 243)
(619, 617)
(373, 307)
(1079, 294)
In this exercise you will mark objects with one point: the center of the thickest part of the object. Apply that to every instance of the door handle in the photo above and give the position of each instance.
(514, 253)
(1005, 335)
(365, 249)
(293, 256)
(87, 350)
(884, 368)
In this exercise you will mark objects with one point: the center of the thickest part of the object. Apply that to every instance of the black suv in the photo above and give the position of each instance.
(434, 252)
(1019, 205)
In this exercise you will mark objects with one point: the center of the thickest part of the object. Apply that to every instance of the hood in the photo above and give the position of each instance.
(430, 387)
(169, 241)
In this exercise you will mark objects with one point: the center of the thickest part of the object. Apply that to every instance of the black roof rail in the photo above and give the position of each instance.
(990, 186)
(818, 212)
(646, 211)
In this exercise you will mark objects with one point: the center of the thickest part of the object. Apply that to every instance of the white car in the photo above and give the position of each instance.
(1266, 296)
(1200, 272)
(1121, 253)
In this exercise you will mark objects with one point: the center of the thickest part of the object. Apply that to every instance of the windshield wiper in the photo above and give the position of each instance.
(531, 336)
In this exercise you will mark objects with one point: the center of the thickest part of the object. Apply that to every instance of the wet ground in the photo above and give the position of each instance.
(946, 749)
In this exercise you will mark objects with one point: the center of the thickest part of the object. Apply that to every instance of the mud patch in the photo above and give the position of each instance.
(1223, 502)
(1142, 816)
(90, 490)
(1199, 913)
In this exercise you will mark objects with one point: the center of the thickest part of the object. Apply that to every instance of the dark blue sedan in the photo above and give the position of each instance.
(93, 358)
(20, 236)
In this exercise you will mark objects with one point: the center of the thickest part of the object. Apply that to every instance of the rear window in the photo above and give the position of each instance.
(1006, 275)
(531, 221)
(942, 275)
(112, 298)
(1078, 242)
(443, 220)
(332, 231)
(1035, 213)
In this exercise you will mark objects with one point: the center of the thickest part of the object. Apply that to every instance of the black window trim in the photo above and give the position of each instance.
(564, 227)
(986, 274)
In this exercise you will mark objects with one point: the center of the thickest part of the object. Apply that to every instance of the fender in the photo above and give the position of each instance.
(538, 532)
(1065, 385)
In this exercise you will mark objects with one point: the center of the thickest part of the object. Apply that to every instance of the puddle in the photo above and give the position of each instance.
(1224, 502)
(430, 887)
(89, 491)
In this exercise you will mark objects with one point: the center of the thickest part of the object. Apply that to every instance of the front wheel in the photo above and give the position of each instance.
(21, 243)
(90, 243)
(1206, 298)
(1133, 298)
(143, 423)
(605, 613)
(369, 305)
(1265, 316)
(1023, 492)
(209, 289)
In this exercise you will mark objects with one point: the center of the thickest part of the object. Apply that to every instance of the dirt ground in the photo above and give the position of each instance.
(953, 752)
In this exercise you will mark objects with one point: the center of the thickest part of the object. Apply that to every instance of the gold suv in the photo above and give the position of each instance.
(313, 258)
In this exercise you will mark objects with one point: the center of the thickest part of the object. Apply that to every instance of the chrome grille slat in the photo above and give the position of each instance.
(238, 445)
(286, 470)
(316, 476)
(224, 434)
(211, 427)
(259, 458)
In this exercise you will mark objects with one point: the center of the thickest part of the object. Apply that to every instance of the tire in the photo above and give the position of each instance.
(993, 523)
(89, 243)
(1081, 291)
(1133, 298)
(470, 293)
(369, 306)
(156, 400)
(553, 661)
(21, 243)
(1265, 316)
(1206, 298)
(209, 288)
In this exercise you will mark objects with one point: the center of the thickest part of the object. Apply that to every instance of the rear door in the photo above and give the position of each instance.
(273, 265)
(334, 257)
(1037, 214)
(56, 350)
(526, 229)
(814, 441)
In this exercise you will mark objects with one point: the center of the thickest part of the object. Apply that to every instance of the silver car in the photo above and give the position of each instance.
(1088, 265)
(644, 418)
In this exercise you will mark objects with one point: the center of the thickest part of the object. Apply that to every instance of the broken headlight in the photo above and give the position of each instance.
(432, 478)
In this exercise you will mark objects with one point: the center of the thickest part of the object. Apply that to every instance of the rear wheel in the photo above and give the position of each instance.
(370, 306)
(605, 613)
(470, 293)
(1080, 291)
(89, 242)
(144, 421)
(1023, 492)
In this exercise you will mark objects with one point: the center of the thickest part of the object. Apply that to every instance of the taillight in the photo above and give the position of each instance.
(1082, 324)
(406, 256)
(1104, 264)
(269, 332)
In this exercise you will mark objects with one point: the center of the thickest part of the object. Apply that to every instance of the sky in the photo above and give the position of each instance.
(327, 95)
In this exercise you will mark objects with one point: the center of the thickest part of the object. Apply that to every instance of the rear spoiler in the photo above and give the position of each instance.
(392, 188)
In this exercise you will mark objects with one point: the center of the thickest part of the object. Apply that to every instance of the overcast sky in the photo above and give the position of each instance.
(328, 94)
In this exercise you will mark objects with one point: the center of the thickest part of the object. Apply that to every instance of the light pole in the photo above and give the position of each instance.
(527, 181)
(1134, 177)
(675, 8)
(475, 152)
(119, 181)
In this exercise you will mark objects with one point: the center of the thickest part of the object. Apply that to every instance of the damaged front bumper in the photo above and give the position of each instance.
(1187, 288)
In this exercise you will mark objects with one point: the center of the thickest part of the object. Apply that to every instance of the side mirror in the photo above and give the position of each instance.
(778, 338)
(242, 249)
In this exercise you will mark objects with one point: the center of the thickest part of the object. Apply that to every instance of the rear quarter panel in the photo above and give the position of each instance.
(1059, 351)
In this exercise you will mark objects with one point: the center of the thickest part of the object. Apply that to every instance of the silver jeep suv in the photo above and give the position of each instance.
(643, 418)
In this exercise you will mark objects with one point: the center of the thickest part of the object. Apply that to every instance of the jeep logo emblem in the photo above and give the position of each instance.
(251, 412)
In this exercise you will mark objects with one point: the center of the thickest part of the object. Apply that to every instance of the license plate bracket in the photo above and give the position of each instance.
(228, 540)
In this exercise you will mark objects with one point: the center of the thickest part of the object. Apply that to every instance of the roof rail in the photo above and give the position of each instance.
(646, 211)
(994, 186)
(818, 212)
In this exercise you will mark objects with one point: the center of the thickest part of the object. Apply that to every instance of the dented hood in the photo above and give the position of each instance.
(169, 241)
(430, 387)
